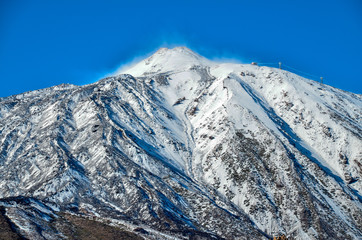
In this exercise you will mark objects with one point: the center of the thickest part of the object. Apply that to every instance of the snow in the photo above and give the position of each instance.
(165, 60)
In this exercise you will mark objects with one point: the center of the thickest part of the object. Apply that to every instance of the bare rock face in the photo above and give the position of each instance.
(179, 147)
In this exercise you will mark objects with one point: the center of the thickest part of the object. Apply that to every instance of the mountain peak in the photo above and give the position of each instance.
(168, 59)
(179, 49)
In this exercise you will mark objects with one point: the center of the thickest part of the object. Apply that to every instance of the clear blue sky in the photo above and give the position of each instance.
(45, 43)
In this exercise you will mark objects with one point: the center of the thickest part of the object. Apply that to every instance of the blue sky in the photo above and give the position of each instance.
(45, 43)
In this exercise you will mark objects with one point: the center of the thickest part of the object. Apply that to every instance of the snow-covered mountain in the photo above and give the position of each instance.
(180, 147)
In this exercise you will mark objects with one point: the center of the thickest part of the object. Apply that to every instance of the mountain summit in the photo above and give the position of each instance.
(180, 147)
(165, 59)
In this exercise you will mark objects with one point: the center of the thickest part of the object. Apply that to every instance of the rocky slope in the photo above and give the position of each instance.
(180, 147)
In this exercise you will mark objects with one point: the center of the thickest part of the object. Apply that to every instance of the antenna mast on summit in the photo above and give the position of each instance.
(280, 65)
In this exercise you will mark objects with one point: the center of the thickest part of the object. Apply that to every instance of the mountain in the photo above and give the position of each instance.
(181, 147)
